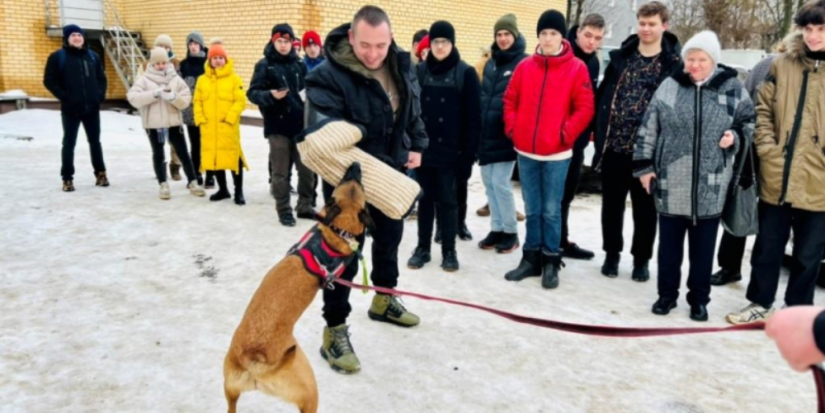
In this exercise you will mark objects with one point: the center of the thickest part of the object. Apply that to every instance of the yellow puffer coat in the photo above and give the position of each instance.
(219, 101)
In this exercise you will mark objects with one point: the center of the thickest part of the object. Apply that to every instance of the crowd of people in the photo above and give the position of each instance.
(671, 125)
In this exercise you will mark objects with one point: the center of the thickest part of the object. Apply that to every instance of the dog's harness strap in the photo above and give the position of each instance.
(319, 258)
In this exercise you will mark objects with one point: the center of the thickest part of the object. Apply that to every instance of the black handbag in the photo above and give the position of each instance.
(740, 217)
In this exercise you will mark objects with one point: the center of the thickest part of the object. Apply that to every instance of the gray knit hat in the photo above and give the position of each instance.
(507, 22)
(195, 37)
(706, 41)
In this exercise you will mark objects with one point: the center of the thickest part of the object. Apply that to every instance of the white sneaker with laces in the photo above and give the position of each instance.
(165, 193)
(750, 314)
(196, 189)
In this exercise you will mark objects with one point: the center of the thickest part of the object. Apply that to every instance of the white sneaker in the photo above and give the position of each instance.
(196, 189)
(165, 193)
(750, 314)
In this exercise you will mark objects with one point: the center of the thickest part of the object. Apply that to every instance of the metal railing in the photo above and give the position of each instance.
(121, 46)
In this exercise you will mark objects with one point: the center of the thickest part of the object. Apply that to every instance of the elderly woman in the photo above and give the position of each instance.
(684, 156)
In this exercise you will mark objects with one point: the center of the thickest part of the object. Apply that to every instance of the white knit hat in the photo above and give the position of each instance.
(157, 55)
(163, 40)
(706, 41)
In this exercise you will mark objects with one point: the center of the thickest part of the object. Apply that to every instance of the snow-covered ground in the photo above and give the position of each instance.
(112, 300)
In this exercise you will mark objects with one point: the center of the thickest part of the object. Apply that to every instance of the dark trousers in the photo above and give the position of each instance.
(775, 224)
(237, 179)
(731, 252)
(195, 143)
(177, 141)
(71, 126)
(282, 153)
(439, 186)
(386, 237)
(701, 245)
(463, 172)
(571, 185)
(617, 181)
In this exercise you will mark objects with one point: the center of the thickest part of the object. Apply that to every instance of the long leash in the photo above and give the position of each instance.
(590, 330)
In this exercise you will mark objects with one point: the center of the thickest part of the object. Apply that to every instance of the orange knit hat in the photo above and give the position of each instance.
(217, 49)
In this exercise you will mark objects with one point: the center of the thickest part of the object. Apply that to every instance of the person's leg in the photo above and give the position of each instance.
(671, 255)
(571, 185)
(702, 244)
(462, 180)
(158, 160)
(615, 186)
(427, 178)
(237, 179)
(223, 190)
(766, 259)
(195, 142)
(554, 174)
(91, 124)
(644, 221)
(506, 201)
(531, 191)
(279, 155)
(178, 142)
(386, 237)
(731, 252)
(446, 183)
(808, 248)
(306, 185)
(71, 125)
(496, 224)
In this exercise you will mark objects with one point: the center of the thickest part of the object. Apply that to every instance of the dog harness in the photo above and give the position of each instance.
(320, 259)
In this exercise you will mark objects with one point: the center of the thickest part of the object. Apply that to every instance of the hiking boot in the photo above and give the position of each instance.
(484, 211)
(576, 252)
(287, 220)
(530, 266)
(610, 268)
(552, 265)
(520, 217)
(450, 261)
(101, 179)
(338, 352)
(388, 309)
(68, 186)
(491, 240)
(724, 276)
(165, 193)
(420, 257)
(195, 189)
(752, 313)
(662, 306)
(174, 171)
(640, 271)
(508, 243)
(464, 233)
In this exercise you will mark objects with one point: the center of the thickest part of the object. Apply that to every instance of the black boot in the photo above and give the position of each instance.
(507, 244)
(552, 265)
(573, 251)
(450, 261)
(640, 272)
(210, 180)
(238, 181)
(530, 266)
(662, 306)
(464, 233)
(223, 192)
(491, 240)
(420, 257)
(724, 276)
(611, 265)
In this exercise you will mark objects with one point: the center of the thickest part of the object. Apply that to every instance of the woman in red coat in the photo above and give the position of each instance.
(548, 103)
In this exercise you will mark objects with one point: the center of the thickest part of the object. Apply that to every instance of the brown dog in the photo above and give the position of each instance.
(264, 354)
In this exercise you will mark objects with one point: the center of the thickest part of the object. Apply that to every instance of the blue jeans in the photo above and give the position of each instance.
(499, 187)
(542, 186)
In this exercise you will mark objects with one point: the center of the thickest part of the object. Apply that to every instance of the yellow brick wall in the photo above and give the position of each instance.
(245, 26)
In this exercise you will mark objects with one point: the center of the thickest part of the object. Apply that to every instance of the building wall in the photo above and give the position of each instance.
(244, 25)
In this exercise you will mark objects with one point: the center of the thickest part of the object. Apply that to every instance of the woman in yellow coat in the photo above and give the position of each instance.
(219, 101)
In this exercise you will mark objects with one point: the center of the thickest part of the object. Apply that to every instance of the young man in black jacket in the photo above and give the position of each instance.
(450, 109)
(276, 88)
(586, 40)
(74, 75)
(190, 70)
(635, 71)
(369, 82)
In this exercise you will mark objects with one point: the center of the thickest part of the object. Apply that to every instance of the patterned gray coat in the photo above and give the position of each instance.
(679, 141)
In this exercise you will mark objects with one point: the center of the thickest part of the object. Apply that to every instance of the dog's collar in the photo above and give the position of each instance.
(349, 237)
(320, 259)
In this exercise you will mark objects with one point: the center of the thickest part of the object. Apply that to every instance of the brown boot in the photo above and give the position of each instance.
(101, 179)
(519, 217)
(484, 211)
(174, 170)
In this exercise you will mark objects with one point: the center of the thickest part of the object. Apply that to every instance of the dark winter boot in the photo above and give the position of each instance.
(238, 181)
(287, 220)
(450, 262)
(610, 268)
(210, 180)
(724, 276)
(573, 251)
(223, 192)
(420, 257)
(464, 233)
(640, 271)
(530, 266)
(552, 265)
(507, 244)
(492, 239)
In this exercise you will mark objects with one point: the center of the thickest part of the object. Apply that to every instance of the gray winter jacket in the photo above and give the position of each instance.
(679, 141)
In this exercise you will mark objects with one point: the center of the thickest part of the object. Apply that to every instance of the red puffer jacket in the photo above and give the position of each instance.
(549, 103)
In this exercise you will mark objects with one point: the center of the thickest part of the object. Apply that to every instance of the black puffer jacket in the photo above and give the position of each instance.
(79, 82)
(190, 70)
(275, 71)
(494, 145)
(452, 117)
(341, 89)
(671, 61)
(593, 66)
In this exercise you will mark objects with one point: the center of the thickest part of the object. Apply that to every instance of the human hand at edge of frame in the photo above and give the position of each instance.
(793, 331)
(414, 160)
(647, 181)
(727, 140)
(279, 94)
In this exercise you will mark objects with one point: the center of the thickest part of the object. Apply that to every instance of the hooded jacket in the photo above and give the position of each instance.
(592, 62)
(79, 82)
(219, 102)
(190, 70)
(275, 71)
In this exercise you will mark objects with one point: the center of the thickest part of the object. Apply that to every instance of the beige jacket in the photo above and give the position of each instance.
(156, 112)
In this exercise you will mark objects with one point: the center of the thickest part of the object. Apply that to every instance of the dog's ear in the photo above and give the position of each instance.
(332, 211)
(366, 219)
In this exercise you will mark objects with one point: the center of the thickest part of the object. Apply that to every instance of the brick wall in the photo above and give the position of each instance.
(245, 26)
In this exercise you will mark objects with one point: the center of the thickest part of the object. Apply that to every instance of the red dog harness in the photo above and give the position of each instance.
(319, 258)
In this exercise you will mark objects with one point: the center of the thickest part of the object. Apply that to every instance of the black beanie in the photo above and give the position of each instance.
(442, 29)
(283, 29)
(552, 19)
